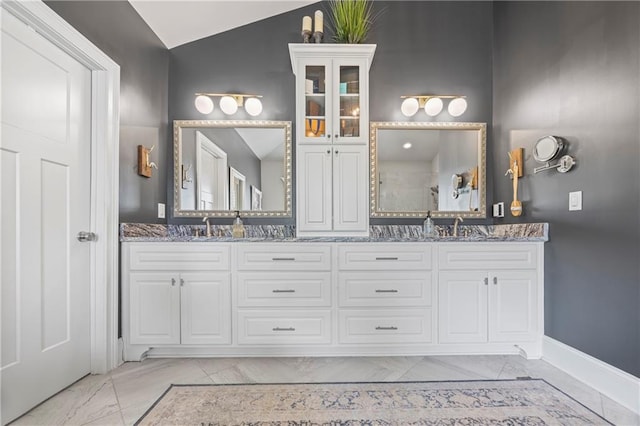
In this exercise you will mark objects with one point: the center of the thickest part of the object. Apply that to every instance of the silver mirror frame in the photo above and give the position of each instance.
(482, 168)
(177, 144)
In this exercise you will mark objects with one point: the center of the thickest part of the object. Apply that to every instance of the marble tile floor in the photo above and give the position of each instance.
(123, 395)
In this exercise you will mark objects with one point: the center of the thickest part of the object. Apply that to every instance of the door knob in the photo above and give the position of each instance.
(84, 236)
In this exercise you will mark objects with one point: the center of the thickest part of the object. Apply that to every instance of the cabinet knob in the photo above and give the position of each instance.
(495, 280)
(336, 136)
(173, 281)
(328, 151)
(336, 151)
(181, 282)
(486, 281)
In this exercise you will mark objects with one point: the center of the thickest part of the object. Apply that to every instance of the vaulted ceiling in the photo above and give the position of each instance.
(178, 22)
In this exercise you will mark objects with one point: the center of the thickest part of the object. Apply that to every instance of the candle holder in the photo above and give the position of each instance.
(306, 36)
(317, 36)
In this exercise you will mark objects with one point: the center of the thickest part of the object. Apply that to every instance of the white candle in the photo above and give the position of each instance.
(306, 23)
(319, 22)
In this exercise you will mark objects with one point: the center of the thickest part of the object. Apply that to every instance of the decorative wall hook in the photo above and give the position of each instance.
(185, 176)
(144, 165)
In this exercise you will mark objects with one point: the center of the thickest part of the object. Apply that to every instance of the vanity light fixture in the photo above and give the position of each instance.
(229, 103)
(433, 104)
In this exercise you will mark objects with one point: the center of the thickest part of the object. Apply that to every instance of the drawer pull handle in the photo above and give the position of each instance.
(486, 281)
(387, 291)
(283, 291)
(173, 282)
(283, 258)
(386, 258)
(387, 328)
(284, 329)
(495, 280)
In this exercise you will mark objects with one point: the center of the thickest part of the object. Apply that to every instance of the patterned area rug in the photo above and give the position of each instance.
(493, 402)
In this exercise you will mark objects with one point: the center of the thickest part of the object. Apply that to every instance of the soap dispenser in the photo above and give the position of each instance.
(237, 230)
(428, 227)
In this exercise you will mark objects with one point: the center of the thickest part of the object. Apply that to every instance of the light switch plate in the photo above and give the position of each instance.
(575, 200)
(161, 210)
(498, 209)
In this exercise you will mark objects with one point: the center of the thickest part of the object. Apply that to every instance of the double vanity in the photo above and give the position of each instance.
(395, 294)
(332, 284)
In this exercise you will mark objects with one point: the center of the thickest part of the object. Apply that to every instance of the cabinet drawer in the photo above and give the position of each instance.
(178, 256)
(401, 256)
(385, 326)
(488, 256)
(286, 289)
(284, 327)
(284, 257)
(385, 289)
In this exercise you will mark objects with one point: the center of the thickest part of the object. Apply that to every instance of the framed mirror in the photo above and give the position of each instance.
(420, 167)
(225, 165)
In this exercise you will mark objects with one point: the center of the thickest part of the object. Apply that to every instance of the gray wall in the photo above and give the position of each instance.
(419, 51)
(117, 29)
(571, 69)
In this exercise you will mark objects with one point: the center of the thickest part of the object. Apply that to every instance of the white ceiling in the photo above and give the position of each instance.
(178, 22)
(266, 144)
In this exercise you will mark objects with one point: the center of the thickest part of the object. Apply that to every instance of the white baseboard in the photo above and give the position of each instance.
(618, 385)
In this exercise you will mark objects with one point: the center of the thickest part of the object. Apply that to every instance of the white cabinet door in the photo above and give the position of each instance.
(463, 307)
(512, 306)
(154, 308)
(350, 188)
(314, 182)
(206, 308)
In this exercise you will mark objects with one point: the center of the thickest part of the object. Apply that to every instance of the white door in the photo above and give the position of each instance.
(350, 188)
(211, 175)
(206, 308)
(314, 180)
(512, 310)
(45, 158)
(462, 307)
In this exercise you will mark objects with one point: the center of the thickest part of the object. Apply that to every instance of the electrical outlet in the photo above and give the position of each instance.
(161, 211)
(575, 200)
(498, 209)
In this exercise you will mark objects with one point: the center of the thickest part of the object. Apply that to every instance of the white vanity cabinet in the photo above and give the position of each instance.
(385, 293)
(283, 293)
(332, 136)
(331, 298)
(175, 294)
(489, 293)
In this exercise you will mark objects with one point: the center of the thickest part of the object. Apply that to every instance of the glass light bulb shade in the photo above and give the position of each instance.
(433, 106)
(253, 106)
(457, 107)
(204, 104)
(409, 107)
(228, 105)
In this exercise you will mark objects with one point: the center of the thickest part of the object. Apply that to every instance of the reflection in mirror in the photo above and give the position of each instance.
(421, 167)
(216, 163)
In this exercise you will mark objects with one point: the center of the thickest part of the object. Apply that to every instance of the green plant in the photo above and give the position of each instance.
(350, 20)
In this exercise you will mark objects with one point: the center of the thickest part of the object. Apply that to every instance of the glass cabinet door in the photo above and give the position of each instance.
(349, 91)
(317, 125)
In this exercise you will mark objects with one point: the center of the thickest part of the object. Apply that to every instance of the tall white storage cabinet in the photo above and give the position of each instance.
(332, 136)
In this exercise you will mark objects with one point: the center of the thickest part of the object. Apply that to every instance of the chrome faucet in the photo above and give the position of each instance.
(206, 220)
(455, 225)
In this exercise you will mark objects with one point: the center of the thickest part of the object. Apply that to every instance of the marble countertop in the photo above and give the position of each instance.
(537, 232)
